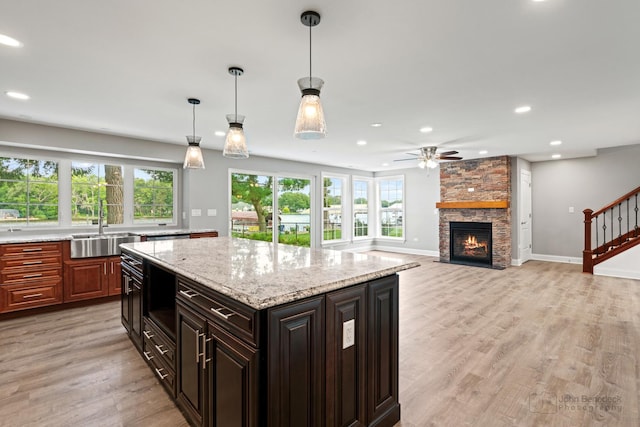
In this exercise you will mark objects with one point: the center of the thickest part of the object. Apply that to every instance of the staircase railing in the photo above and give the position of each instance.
(613, 229)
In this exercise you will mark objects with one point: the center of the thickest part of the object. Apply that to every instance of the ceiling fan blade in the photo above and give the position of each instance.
(403, 160)
(448, 153)
(449, 158)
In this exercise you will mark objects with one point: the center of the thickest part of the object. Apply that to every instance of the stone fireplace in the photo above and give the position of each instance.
(477, 191)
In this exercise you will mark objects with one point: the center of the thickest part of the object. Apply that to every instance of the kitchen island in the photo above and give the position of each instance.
(248, 333)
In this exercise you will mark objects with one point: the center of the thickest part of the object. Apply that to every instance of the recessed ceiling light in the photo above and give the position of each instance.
(9, 41)
(557, 142)
(426, 129)
(556, 156)
(483, 152)
(17, 95)
(220, 133)
(385, 164)
(361, 142)
(376, 125)
(523, 109)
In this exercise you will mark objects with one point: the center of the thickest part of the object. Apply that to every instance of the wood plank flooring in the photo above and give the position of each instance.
(537, 345)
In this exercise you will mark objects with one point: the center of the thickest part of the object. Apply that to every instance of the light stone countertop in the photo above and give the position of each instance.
(261, 274)
(32, 237)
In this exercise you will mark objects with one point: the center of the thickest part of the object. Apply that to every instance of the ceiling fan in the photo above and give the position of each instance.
(428, 157)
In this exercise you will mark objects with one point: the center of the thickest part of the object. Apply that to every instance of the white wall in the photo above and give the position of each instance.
(584, 183)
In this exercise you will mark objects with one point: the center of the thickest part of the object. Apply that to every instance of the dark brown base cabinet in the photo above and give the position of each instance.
(327, 360)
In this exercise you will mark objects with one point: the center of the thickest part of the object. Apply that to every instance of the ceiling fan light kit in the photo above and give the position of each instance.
(429, 157)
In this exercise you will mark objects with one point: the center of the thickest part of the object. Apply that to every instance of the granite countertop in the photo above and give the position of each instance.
(18, 237)
(261, 274)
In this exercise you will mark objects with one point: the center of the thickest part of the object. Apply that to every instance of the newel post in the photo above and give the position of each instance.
(587, 254)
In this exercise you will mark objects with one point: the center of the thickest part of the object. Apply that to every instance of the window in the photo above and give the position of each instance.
(153, 191)
(332, 208)
(360, 208)
(92, 184)
(28, 192)
(391, 197)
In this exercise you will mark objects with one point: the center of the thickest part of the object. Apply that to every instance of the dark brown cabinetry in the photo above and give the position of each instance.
(131, 297)
(325, 360)
(91, 278)
(296, 364)
(217, 372)
(30, 275)
(346, 326)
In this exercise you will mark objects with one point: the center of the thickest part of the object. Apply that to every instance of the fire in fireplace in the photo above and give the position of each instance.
(470, 243)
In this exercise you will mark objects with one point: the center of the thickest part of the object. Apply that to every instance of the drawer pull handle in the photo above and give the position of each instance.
(32, 250)
(189, 294)
(31, 276)
(221, 314)
(147, 356)
(148, 334)
(159, 348)
(162, 376)
(31, 296)
(31, 262)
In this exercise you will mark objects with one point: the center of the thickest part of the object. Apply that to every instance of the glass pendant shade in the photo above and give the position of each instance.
(235, 145)
(193, 159)
(432, 164)
(310, 123)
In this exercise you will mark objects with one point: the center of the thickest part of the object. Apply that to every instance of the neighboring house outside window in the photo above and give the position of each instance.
(361, 206)
(333, 207)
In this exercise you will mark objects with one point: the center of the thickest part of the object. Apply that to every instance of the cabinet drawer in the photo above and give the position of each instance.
(30, 248)
(30, 262)
(26, 275)
(156, 343)
(20, 296)
(239, 319)
(163, 373)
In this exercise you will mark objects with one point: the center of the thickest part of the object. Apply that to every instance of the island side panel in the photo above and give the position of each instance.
(383, 402)
(296, 364)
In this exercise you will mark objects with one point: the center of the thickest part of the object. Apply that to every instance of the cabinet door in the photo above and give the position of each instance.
(296, 364)
(85, 280)
(346, 357)
(382, 339)
(135, 301)
(232, 371)
(125, 300)
(114, 270)
(190, 366)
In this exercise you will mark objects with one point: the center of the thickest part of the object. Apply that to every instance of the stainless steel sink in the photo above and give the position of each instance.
(88, 245)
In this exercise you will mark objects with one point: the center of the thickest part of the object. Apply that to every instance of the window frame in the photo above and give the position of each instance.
(174, 207)
(380, 209)
(371, 204)
(345, 208)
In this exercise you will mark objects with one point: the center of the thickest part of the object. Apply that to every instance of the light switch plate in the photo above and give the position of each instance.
(212, 212)
(196, 212)
(348, 333)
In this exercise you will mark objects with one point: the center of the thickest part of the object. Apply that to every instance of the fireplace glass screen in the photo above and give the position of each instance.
(470, 243)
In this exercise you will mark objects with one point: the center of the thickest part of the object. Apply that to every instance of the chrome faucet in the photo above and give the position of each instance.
(100, 219)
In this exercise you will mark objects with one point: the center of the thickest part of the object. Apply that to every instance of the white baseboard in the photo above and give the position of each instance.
(616, 272)
(409, 251)
(557, 258)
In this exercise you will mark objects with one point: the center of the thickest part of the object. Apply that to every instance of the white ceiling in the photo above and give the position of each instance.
(459, 66)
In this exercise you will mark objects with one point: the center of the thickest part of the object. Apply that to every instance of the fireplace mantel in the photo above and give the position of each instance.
(475, 204)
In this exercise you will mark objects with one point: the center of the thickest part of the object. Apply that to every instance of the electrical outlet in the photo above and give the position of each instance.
(348, 333)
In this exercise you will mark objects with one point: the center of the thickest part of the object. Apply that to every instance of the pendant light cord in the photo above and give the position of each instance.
(236, 110)
(310, 55)
(194, 122)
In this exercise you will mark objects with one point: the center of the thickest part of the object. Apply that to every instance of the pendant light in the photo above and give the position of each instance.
(310, 122)
(193, 159)
(235, 145)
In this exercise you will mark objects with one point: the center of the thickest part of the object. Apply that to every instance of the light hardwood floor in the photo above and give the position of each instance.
(478, 347)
